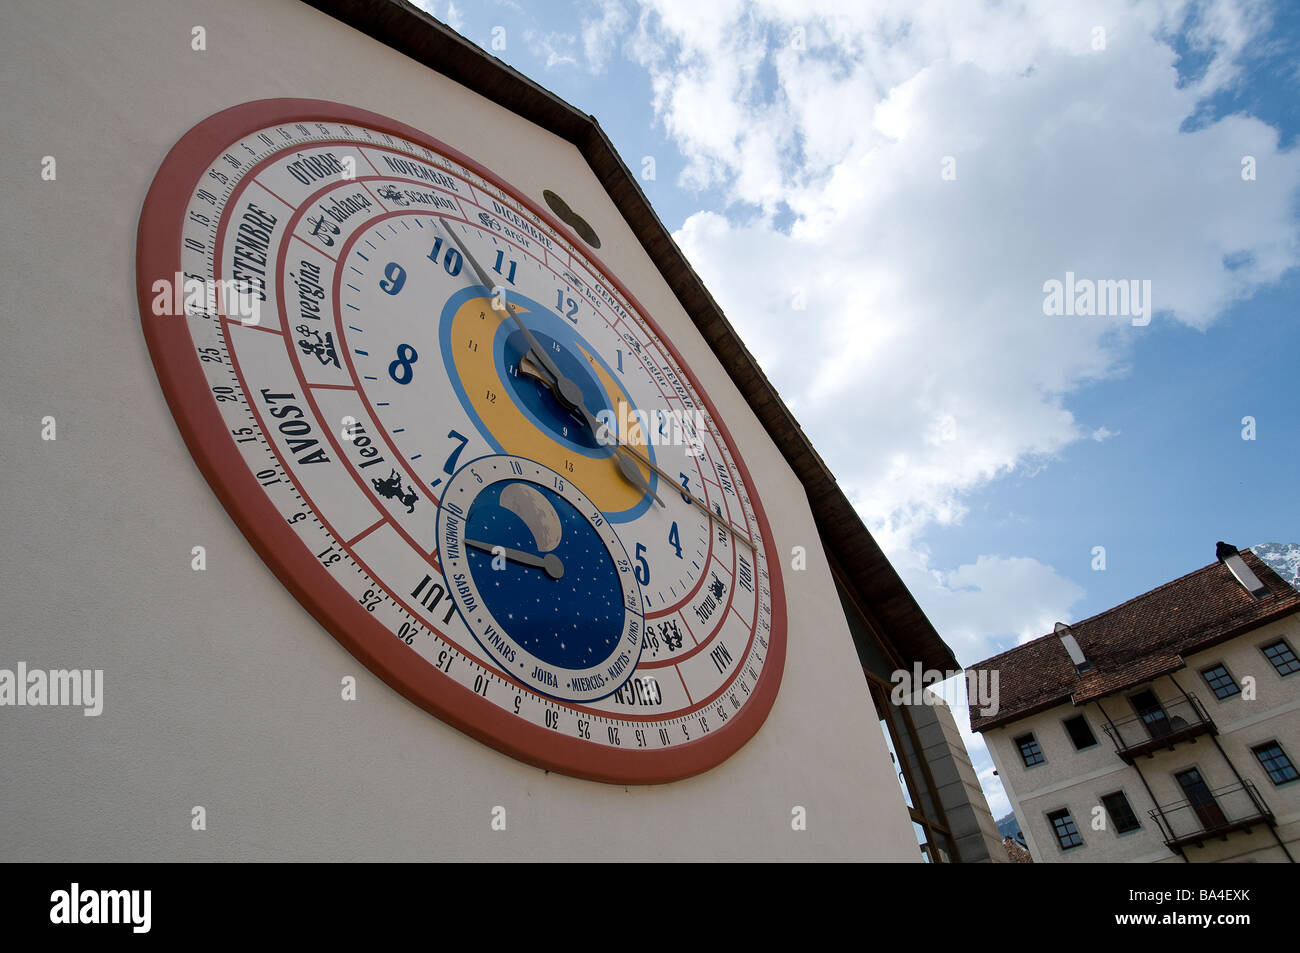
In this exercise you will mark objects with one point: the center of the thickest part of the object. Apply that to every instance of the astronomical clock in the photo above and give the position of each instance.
(460, 442)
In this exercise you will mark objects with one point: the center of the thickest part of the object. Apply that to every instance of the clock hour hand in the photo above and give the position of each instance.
(550, 562)
(564, 388)
(569, 393)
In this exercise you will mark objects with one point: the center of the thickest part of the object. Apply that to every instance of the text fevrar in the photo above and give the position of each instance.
(1104, 297)
(53, 688)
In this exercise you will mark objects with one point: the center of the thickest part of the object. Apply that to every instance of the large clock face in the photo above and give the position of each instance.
(460, 442)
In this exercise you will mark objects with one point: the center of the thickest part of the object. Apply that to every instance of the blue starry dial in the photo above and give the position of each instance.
(540, 578)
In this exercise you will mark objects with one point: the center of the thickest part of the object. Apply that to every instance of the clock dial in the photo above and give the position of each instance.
(460, 442)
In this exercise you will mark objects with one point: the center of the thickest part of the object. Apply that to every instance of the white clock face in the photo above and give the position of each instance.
(475, 433)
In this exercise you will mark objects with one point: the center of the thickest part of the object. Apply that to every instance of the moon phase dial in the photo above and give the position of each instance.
(540, 578)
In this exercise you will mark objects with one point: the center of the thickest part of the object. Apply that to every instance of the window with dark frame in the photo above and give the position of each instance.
(1079, 732)
(1121, 813)
(1275, 762)
(1220, 681)
(1067, 834)
(1282, 656)
(1029, 750)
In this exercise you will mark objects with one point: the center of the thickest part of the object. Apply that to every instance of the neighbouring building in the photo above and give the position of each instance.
(1165, 729)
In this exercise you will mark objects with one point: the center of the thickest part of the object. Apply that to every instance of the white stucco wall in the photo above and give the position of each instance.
(221, 690)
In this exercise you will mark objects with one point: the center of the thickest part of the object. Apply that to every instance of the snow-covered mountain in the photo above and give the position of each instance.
(1283, 559)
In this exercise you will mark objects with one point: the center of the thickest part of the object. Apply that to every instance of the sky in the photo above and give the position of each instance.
(879, 196)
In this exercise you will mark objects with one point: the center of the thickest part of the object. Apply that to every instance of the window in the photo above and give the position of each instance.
(1152, 713)
(1275, 762)
(1067, 835)
(1121, 814)
(1080, 733)
(1030, 751)
(1283, 659)
(1220, 681)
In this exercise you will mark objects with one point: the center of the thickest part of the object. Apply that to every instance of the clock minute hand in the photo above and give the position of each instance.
(550, 562)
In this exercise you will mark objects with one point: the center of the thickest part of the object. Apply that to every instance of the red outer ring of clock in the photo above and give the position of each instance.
(158, 244)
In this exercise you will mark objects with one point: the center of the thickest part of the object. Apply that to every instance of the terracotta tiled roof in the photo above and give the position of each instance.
(1135, 641)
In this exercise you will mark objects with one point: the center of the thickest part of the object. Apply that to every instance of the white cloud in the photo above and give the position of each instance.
(454, 18)
(923, 365)
(556, 49)
(1102, 434)
(602, 34)
(992, 601)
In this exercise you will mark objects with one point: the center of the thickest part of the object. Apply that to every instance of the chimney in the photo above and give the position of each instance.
(1229, 555)
(1066, 635)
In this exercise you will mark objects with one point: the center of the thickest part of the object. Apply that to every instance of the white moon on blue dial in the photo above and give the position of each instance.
(536, 512)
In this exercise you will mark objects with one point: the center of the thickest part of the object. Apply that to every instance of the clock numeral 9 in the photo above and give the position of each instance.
(394, 278)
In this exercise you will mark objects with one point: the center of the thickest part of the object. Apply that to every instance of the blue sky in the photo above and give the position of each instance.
(990, 447)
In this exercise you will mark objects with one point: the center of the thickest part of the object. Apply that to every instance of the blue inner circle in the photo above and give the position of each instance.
(537, 398)
(573, 622)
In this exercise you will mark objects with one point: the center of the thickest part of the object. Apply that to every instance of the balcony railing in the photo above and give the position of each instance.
(1218, 813)
(1174, 721)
